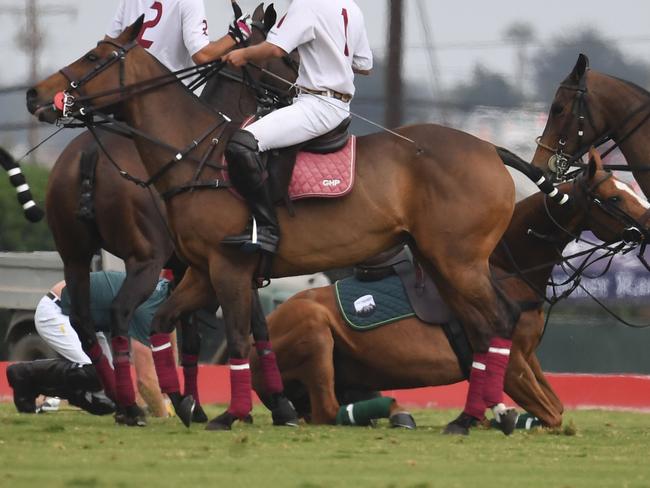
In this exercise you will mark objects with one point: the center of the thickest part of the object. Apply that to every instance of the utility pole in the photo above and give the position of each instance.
(31, 40)
(394, 96)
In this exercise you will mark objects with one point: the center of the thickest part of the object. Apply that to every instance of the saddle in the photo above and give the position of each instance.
(423, 296)
(281, 162)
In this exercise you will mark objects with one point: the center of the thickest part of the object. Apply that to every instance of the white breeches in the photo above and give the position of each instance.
(55, 329)
(308, 117)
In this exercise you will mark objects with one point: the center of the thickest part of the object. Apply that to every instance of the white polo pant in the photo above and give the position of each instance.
(55, 329)
(308, 117)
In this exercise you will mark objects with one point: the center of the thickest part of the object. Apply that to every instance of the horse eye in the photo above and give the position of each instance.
(557, 108)
(614, 199)
(91, 56)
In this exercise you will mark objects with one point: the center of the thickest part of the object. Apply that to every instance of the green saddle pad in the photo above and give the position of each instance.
(366, 305)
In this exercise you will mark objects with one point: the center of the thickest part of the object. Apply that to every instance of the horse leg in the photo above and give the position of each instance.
(190, 349)
(139, 284)
(282, 411)
(232, 282)
(77, 279)
(488, 317)
(192, 293)
(536, 368)
(522, 385)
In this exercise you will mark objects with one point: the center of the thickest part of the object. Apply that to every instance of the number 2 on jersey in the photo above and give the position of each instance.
(344, 13)
(157, 6)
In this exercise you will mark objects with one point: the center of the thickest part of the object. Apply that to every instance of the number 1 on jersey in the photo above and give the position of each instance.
(344, 13)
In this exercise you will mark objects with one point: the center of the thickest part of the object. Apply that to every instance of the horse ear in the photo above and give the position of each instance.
(270, 16)
(133, 31)
(581, 67)
(258, 14)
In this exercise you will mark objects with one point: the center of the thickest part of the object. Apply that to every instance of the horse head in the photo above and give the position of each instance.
(97, 79)
(610, 208)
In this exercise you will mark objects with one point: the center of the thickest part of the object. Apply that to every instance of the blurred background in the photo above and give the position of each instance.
(488, 68)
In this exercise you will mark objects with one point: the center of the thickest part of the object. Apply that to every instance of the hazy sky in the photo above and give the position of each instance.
(462, 30)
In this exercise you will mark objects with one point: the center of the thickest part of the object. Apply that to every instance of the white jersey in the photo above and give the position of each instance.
(173, 31)
(331, 38)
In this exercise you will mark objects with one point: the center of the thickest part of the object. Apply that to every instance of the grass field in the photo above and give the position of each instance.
(73, 449)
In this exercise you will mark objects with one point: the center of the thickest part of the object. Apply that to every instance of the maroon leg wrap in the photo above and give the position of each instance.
(240, 388)
(191, 373)
(125, 394)
(475, 404)
(104, 370)
(163, 358)
(269, 364)
(497, 362)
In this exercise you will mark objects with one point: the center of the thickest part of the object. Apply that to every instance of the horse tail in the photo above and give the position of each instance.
(535, 174)
(32, 212)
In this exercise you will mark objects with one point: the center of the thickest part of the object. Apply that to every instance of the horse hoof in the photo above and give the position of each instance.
(225, 421)
(284, 413)
(402, 420)
(507, 422)
(199, 416)
(131, 416)
(460, 426)
(185, 410)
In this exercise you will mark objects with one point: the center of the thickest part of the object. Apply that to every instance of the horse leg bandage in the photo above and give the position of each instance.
(104, 370)
(475, 404)
(240, 388)
(191, 373)
(163, 358)
(269, 365)
(125, 394)
(362, 413)
(498, 356)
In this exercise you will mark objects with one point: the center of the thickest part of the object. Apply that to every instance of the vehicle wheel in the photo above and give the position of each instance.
(29, 348)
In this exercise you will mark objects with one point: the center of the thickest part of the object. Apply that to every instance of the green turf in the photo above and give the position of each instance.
(73, 449)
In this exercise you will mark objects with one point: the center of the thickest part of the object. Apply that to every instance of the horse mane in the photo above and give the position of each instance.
(636, 87)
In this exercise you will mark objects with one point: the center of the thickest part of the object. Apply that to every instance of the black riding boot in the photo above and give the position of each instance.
(248, 174)
(79, 384)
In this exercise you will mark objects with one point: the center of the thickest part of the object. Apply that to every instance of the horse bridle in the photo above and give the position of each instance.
(560, 162)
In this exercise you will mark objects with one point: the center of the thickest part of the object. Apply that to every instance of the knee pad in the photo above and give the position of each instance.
(245, 165)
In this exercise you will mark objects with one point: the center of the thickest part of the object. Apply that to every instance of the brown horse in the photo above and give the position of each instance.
(319, 355)
(449, 195)
(130, 222)
(23, 193)
(591, 107)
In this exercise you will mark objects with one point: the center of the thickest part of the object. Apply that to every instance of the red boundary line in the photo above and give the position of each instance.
(575, 390)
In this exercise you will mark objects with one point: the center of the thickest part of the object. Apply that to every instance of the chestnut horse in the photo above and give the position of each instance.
(31, 211)
(126, 220)
(589, 108)
(445, 192)
(319, 355)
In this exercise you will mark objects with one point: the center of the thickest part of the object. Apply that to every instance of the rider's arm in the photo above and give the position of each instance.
(147, 380)
(362, 60)
(214, 50)
(254, 54)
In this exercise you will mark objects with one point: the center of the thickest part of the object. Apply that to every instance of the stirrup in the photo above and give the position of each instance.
(255, 241)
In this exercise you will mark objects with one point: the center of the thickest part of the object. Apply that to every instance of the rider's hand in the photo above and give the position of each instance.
(237, 58)
(240, 29)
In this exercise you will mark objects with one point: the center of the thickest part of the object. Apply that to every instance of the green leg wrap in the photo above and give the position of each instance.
(361, 413)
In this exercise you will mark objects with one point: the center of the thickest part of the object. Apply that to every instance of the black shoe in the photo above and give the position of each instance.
(199, 415)
(461, 425)
(24, 398)
(133, 416)
(507, 421)
(95, 403)
(255, 239)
